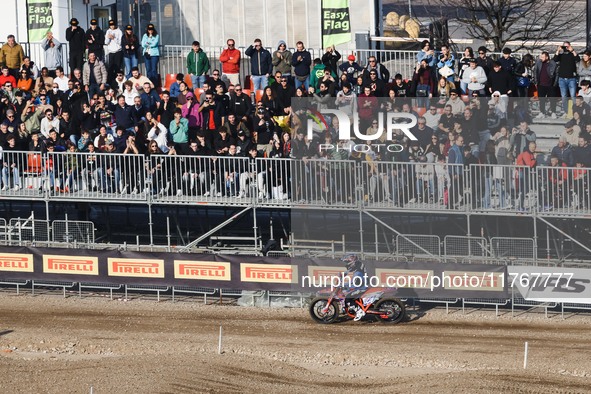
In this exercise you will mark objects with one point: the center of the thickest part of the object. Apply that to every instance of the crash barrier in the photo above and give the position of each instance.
(157, 272)
(288, 183)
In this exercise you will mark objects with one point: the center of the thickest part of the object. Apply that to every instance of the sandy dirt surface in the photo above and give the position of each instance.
(53, 345)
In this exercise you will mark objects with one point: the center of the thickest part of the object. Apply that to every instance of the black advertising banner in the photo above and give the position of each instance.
(417, 279)
(336, 25)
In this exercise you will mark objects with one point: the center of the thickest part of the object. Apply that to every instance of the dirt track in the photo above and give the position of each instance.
(52, 345)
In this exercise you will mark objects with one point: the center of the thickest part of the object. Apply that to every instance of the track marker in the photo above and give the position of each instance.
(524, 355)
(220, 342)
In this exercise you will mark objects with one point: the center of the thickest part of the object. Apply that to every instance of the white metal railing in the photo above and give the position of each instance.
(173, 58)
(343, 184)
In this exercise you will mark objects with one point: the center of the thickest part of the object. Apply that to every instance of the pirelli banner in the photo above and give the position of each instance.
(248, 273)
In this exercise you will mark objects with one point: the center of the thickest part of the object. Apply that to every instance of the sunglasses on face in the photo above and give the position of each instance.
(215, 74)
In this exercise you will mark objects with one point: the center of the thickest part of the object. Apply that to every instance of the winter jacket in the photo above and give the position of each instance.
(197, 63)
(76, 39)
(260, 61)
(282, 60)
(133, 42)
(565, 154)
(550, 69)
(480, 75)
(330, 59)
(192, 114)
(301, 62)
(180, 133)
(113, 45)
(53, 55)
(12, 57)
(230, 59)
(99, 40)
(100, 72)
(150, 45)
(316, 75)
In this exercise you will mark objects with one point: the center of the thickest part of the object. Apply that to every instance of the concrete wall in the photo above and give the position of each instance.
(209, 21)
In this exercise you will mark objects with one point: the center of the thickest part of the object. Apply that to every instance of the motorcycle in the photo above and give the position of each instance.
(329, 306)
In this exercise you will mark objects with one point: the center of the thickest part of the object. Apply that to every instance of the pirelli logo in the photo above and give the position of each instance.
(143, 268)
(320, 271)
(77, 265)
(15, 262)
(268, 273)
(204, 270)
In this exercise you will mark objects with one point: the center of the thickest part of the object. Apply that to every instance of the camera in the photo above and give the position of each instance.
(564, 48)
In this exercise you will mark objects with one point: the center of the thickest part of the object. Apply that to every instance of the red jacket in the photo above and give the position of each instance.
(526, 159)
(230, 59)
(9, 78)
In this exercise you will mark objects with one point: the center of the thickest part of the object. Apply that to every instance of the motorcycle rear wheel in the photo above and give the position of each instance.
(393, 309)
(316, 307)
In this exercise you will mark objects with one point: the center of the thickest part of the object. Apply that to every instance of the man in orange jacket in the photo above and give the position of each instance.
(230, 59)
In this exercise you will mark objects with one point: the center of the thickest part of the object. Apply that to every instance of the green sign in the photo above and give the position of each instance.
(336, 25)
(39, 19)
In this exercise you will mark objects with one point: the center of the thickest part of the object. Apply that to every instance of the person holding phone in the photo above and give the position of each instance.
(567, 59)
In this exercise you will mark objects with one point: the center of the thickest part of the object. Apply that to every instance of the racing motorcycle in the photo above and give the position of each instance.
(329, 306)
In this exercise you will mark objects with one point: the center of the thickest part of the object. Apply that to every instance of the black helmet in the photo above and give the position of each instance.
(352, 261)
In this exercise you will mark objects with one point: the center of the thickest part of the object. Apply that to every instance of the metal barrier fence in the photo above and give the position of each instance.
(413, 186)
(418, 245)
(28, 230)
(465, 246)
(513, 248)
(72, 231)
(280, 182)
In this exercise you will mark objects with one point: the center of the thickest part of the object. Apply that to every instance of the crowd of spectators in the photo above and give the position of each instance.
(107, 106)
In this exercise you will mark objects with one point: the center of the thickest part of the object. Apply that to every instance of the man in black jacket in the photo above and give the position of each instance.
(499, 80)
(330, 59)
(95, 40)
(75, 36)
(260, 64)
(567, 59)
(545, 72)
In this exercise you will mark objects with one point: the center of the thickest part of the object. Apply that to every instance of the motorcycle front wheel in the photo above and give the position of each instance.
(392, 309)
(317, 313)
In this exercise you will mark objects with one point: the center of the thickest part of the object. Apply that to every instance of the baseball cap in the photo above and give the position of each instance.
(74, 22)
(112, 23)
(190, 94)
(128, 27)
(241, 133)
(150, 26)
(351, 58)
(471, 60)
(93, 22)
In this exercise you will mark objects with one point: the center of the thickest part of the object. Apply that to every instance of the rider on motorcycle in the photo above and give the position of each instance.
(355, 268)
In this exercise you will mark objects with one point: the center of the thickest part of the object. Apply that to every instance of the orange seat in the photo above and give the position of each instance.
(420, 110)
(169, 80)
(197, 92)
(188, 81)
(34, 163)
(247, 91)
(258, 95)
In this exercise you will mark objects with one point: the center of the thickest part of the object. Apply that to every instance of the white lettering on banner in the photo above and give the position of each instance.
(549, 284)
(345, 125)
